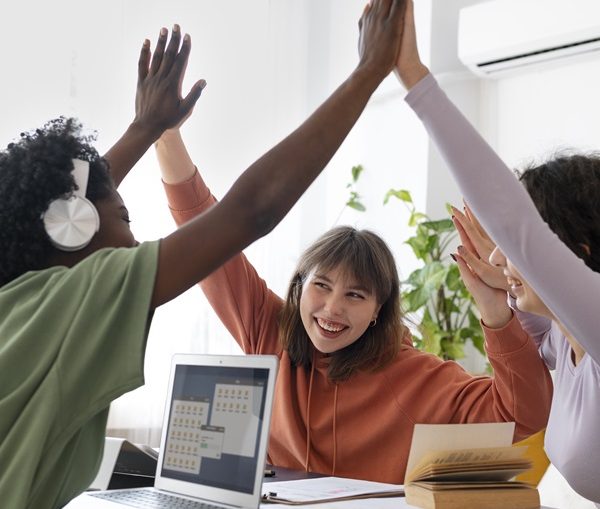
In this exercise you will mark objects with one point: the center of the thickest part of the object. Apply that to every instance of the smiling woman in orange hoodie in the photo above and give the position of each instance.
(351, 386)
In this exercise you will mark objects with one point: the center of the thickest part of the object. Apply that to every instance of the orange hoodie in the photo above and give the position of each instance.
(362, 427)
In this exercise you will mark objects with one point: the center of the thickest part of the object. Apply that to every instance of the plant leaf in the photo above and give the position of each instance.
(356, 205)
(416, 218)
(453, 348)
(425, 282)
(453, 279)
(401, 194)
(442, 225)
(478, 341)
(356, 171)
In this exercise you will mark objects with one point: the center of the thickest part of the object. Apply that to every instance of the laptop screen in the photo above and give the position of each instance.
(214, 426)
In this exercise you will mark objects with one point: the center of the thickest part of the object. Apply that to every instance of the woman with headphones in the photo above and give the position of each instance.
(77, 292)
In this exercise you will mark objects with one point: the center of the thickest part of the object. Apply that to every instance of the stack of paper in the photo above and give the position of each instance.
(327, 489)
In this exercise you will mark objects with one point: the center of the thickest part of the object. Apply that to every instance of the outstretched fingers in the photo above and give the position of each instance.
(476, 264)
(466, 228)
(398, 9)
(380, 36)
(476, 223)
(144, 61)
(180, 60)
(159, 51)
(172, 51)
(381, 7)
(159, 101)
(469, 277)
(464, 237)
(190, 100)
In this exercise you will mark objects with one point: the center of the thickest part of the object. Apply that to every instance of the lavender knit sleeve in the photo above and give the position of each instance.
(567, 286)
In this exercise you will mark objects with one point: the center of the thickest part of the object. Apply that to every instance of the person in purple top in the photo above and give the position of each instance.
(548, 237)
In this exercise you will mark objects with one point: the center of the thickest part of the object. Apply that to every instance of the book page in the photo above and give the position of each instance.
(469, 461)
(451, 437)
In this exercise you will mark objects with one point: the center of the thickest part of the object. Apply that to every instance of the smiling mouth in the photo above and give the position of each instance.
(330, 328)
(514, 283)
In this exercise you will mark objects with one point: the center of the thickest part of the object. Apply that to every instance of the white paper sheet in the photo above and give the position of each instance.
(325, 488)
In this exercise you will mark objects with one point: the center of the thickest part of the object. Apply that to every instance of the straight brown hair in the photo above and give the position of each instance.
(365, 257)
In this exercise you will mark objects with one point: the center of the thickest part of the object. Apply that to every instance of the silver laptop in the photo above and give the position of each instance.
(214, 437)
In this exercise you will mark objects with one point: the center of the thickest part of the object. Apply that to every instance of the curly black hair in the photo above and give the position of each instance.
(566, 192)
(34, 171)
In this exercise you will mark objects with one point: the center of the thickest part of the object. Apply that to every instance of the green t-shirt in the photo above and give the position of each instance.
(71, 341)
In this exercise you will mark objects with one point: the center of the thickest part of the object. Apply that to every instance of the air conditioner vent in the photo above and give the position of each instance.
(505, 35)
(542, 51)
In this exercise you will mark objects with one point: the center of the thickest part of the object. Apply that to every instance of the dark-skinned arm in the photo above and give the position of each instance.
(267, 190)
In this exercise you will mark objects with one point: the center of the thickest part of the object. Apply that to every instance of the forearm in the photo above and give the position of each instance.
(282, 174)
(522, 386)
(175, 163)
(495, 316)
(235, 291)
(128, 150)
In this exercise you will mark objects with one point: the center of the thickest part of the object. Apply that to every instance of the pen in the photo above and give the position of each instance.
(269, 472)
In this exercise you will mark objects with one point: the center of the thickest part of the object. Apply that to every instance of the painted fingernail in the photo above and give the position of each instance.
(460, 249)
(452, 256)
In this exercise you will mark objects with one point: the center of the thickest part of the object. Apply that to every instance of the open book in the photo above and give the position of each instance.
(470, 478)
(326, 489)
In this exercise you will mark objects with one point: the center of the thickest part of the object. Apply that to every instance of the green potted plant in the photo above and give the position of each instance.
(434, 298)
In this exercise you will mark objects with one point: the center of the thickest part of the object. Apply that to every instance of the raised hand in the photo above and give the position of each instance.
(409, 67)
(381, 26)
(159, 104)
(486, 283)
(477, 246)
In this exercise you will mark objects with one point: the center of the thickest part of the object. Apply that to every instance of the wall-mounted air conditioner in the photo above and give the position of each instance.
(497, 36)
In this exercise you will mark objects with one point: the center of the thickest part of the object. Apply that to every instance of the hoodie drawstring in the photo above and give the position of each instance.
(335, 398)
(310, 385)
(335, 395)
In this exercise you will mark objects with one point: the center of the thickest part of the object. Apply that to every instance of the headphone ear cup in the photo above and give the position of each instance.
(71, 223)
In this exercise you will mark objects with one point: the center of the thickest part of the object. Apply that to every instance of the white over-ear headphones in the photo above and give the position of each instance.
(72, 222)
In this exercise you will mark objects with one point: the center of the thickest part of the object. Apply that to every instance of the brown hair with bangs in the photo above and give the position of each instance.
(366, 257)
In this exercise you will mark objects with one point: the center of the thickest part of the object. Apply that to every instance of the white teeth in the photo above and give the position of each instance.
(329, 326)
(514, 282)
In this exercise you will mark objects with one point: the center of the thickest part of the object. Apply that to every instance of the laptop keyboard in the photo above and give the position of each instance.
(150, 499)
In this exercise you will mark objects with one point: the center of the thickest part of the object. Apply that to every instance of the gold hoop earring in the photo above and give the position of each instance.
(373, 322)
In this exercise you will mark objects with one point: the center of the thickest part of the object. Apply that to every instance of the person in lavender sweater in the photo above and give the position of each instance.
(548, 237)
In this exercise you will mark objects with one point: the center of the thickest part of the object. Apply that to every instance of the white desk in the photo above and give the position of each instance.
(83, 502)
